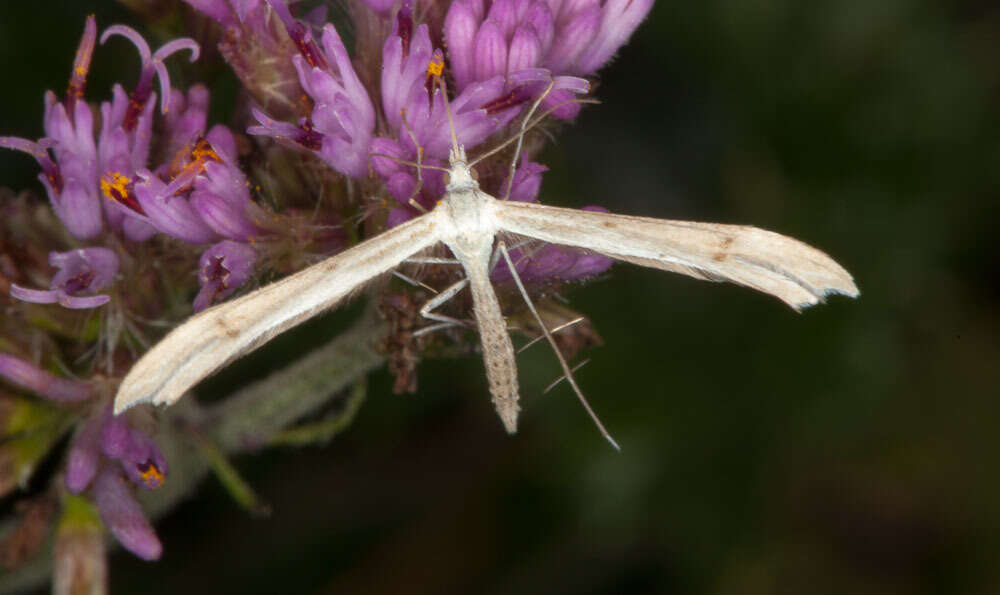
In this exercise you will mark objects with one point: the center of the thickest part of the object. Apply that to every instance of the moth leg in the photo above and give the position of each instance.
(495, 257)
(413, 281)
(567, 372)
(436, 302)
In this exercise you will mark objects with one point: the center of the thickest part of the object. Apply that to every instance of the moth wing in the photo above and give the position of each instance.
(212, 338)
(784, 267)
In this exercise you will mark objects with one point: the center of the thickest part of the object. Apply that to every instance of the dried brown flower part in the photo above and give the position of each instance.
(35, 520)
(80, 565)
(402, 312)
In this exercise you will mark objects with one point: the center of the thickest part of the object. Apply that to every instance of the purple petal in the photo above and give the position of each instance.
(620, 18)
(142, 135)
(397, 217)
(133, 36)
(539, 17)
(85, 269)
(222, 269)
(527, 182)
(525, 49)
(34, 296)
(42, 383)
(588, 265)
(134, 450)
(223, 202)
(186, 120)
(504, 15)
(169, 213)
(490, 53)
(384, 166)
(222, 141)
(81, 63)
(572, 39)
(79, 208)
(562, 103)
(74, 302)
(161, 54)
(123, 515)
(460, 27)
(400, 76)
(400, 186)
(116, 439)
(84, 455)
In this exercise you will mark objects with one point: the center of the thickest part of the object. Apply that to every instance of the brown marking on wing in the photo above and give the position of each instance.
(224, 326)
(723, 252)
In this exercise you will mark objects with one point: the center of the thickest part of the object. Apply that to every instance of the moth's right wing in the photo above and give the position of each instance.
(784, 267)
(210, 339)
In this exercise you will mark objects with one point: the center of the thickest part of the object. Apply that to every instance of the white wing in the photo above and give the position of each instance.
(209, 340)
(786, 268)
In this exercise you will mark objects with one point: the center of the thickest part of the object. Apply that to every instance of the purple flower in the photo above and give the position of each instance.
(505, 37)
(104, 448)
(105, 451)
(152, 65)
(141, 460)
(414, 106)
(343, 118)
(222, 269)
(111, 436)
(527, 181)
(81, 167)
(40, 382)
(205, 194)
(123, 516)
(619, 19)
(186, 122)
(84, 456)
(169, 212)
(221, 195)
(84, 270)
(418, 119)
(127, 127)
(69, 179)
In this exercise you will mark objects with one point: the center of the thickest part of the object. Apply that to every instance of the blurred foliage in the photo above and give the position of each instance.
(847, 449)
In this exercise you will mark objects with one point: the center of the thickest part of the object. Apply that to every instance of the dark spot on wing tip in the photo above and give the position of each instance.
(609, 224)
(719, 256)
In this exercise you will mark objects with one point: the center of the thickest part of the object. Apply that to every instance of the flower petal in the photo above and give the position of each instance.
(123, 516)
(42, 383)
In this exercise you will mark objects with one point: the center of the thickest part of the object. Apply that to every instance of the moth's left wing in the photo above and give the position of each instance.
(210, 339)
(784, 267)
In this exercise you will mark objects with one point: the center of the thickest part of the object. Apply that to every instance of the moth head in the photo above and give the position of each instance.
(461, 177)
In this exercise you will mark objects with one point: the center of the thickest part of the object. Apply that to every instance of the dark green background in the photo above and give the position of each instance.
(850, 449)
